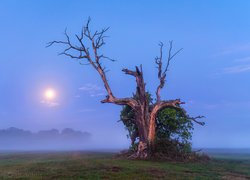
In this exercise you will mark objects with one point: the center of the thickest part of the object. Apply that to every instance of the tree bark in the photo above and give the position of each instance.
(152, 128)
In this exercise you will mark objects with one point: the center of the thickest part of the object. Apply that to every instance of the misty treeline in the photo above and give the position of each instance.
(19, 139)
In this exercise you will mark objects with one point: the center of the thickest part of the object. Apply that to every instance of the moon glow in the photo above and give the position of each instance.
(50, 94)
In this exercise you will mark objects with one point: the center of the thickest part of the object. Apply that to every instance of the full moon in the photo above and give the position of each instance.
(50, 94)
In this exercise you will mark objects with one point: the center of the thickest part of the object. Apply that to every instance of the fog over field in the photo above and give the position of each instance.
(53, 139)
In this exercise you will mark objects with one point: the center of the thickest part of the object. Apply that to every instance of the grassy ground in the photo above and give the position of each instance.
(84, 165)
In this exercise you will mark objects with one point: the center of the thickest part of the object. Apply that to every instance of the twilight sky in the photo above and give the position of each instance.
(211, 74)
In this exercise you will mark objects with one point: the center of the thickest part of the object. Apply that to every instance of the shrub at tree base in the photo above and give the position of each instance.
(173, 135)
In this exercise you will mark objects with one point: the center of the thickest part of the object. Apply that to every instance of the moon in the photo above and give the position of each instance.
(50, 94)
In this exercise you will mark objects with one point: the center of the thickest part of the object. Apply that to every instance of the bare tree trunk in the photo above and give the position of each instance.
(142, 113)
(142, 149)
(152, 129)
(145, 114)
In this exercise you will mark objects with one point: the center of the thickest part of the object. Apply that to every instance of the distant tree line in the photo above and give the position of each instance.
(16, 139)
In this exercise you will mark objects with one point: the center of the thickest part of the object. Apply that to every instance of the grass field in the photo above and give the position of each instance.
(90, 165)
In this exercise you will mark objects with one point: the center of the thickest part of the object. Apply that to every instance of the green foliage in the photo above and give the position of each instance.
(172, 126)
(127, 117)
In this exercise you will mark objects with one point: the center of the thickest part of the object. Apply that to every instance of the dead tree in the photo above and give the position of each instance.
(145, 113)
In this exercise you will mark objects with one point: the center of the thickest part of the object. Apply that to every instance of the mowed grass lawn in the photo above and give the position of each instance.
(90, 165)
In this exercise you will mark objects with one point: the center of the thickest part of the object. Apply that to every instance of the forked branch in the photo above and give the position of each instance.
(80, 51)
(163, 71)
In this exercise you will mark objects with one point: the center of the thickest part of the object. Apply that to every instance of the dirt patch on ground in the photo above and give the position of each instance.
(157, 173)
(115, 169)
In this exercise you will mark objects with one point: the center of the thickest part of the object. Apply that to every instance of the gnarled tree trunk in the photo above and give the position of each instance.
(145, 114)
(145, 117)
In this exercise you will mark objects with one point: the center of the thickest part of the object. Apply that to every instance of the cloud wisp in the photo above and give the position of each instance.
(49, 103)
(236, 49)
(241, 64)
(236, 69)
(93, 90)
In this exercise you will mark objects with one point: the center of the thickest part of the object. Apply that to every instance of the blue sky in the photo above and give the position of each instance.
(211, 74)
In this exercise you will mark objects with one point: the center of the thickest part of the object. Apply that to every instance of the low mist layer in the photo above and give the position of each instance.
(67, 139)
